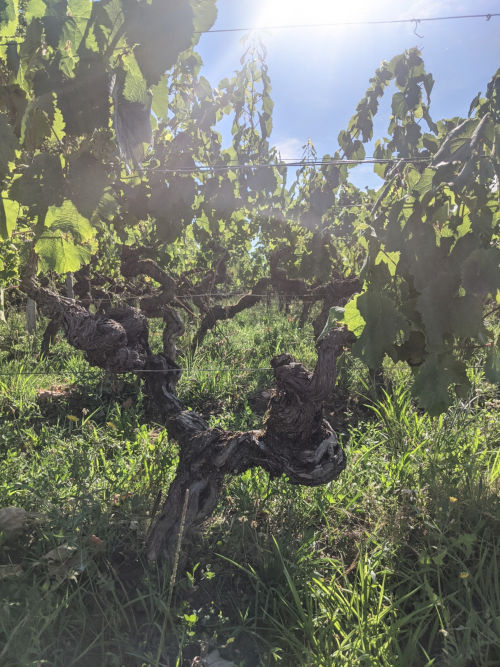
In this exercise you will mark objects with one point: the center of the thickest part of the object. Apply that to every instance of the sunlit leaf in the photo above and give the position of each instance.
(204, 14)
(9, 12)
(35, 9)
(60, 255)
(9, 211)
(68, 220)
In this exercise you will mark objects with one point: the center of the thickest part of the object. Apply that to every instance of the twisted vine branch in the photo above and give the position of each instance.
(294, 439)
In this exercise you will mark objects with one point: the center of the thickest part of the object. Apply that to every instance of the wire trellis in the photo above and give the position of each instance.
(325, 24)
(217, 168)
(185, 371)
(338, 24)
(214, 295)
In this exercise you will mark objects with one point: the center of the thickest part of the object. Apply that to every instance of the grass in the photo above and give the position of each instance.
(396, 563)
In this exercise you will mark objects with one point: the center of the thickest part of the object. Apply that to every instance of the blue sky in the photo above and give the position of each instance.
(319, 75)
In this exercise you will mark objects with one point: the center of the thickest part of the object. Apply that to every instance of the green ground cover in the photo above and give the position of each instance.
(396, 563)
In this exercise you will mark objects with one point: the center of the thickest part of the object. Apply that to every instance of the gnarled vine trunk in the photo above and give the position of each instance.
(294, 439)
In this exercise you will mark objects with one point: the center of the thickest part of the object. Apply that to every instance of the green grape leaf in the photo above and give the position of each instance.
(58, 126)
(36, 125)
(384, 323)
(413, 350)
(204, 14)
(434, 304)
(12, 58)
(134, 88)
(41, 184)
(53, 24)
(353, 318)
(424, 183)
(481, 272)
(419, 251)
(466, 317)
(9, 211)
(492, 366)
(464, 247)
(390, 259)
(13, 98)
(35, 9)
(399, 105)
(413, 94)
(67, 220)
(9, 11)
(165, 22)
(378, 275)
(8, 145)
(58, 254)
(432, 380)
(90, 83)
(412, 177)
(108, 27)
(160, 98)
(79, 9)
(67, 62)
(168, 230)
(74, 29)
(87, 178)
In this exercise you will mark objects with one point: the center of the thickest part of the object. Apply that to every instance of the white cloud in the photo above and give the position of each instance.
(290, 148)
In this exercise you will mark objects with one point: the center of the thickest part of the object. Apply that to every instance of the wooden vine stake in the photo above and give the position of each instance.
(2, 306)
(173, 576)
(31, 316)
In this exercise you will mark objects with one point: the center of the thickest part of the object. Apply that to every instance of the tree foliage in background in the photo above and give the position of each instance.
(103, 105)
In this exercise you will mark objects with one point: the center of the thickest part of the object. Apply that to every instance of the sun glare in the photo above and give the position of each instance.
(293, 12)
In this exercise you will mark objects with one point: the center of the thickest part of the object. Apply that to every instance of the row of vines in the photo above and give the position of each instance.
(112, 167)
